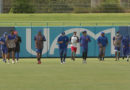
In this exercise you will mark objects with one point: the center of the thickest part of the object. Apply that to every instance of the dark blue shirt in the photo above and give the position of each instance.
(126, 42)
(102, 40)
(65, 40)
(11, 37)
(3, 40)
(84, 41)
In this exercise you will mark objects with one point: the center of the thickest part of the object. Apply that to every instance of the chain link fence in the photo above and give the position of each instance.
(65, 23)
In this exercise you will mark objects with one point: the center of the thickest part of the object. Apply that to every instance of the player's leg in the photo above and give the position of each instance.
(118, 53)
(3, 57)
(40, 55)
(64, 54)
(13, 56)
(17, 56)
(72, 53)
(124, 53)
(75, 50)
(128, 58)
(61, 55)
(85, 55)
(100, 53)
(8, 55)
(103, 53)
(4, 54)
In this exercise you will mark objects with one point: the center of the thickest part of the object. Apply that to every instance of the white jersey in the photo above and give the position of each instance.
(74, 40)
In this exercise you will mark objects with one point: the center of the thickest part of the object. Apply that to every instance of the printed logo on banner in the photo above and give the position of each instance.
(51, 46)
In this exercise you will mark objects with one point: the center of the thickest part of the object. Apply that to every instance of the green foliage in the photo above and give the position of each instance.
(110, 8)
(22, 6)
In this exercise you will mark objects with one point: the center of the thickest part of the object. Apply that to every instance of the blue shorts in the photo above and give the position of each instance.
(39, 50)
(126, 51)
(117, 49)
(84, 49)
(63, 51)
(4, 51)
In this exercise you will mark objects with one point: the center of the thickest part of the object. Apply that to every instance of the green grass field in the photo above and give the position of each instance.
(64, 19)
(51, 75)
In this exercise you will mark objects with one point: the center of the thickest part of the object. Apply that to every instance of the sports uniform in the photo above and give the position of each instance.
(63, 41)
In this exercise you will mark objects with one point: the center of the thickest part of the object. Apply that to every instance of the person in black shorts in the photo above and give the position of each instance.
(11, 45)
(17, 49)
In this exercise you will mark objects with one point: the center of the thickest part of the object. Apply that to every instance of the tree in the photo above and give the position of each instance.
(23, 6)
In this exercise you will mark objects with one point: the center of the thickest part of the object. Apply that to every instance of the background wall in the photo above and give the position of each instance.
(52, 33)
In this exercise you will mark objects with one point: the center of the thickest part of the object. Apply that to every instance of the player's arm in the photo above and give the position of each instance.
(89, 39)
(78, 39)
(114, 41)
(70, 40)
(43, 38)
(59, 41)
(67, 40)
(35, 42)
(1, 41)
(99, 42)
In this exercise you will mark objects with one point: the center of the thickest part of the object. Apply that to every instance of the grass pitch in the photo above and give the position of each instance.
(51, 75)
(65, 19)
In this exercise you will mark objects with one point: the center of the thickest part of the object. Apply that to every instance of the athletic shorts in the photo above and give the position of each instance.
(11, 50)
(117, 49)
(125, 51)
(63, 51)
(39, 50)
(73, 49)
(84, 49)
(4, 51)
(102, 50)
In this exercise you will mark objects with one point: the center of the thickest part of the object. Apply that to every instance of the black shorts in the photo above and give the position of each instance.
(11, 50)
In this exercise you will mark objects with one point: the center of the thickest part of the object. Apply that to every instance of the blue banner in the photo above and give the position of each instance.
(52, 33)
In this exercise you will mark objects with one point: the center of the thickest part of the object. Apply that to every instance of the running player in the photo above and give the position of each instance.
(4, 46)
(17, 49)
(102, 43)
(11, 45)
(84, 40)
(117, 43)
(39, 42)
(63, 41)
(74, 40)
(126, 48)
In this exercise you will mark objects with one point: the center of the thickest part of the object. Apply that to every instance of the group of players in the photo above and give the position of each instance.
(10, 44)
(102, 40)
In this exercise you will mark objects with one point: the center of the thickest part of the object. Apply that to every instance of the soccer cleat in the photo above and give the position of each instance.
(127, 60)
(4, 61)
(13, 62)
(84, 62)
(8, 62)
(39, 62)
(63, 62)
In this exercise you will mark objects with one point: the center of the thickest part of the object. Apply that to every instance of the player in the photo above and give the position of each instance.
(74, 40)
(4, 46)
(102, 43)
(117, 43)
(126, 47)
(11, 45)
(63, 41)
(84, 40)
(17, 49)
(39, 42)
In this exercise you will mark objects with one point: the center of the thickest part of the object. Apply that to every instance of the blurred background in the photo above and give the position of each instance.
(64, 6)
